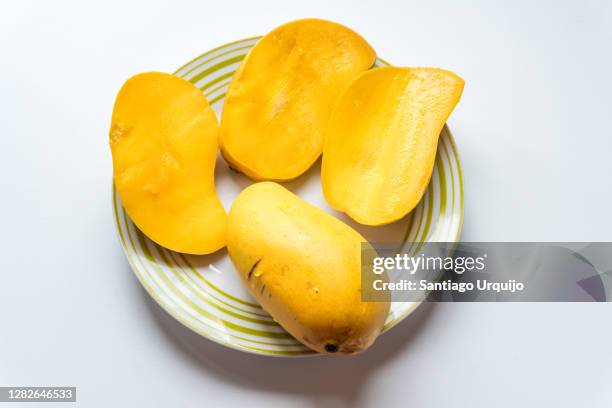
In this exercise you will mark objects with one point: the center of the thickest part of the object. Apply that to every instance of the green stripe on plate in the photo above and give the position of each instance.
(206, 281)
(218, 87)
(214, 69)
(181, 277)
(228, 45)
(173, 257)
(200, 64)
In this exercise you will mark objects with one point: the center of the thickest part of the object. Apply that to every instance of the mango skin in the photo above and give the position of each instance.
(303, 266)
(382, 140)
(163, 140)
(281, 97)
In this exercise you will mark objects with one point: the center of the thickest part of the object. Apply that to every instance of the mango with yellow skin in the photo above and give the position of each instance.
(382, 140)
(163, 140)
(304, 267)
(280, 99)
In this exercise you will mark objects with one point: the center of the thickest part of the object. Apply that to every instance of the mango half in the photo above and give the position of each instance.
(382, 139)
(281, 97)
(163, 140)
(304, 267)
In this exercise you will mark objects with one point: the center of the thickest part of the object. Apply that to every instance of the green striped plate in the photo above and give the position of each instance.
(205, 294)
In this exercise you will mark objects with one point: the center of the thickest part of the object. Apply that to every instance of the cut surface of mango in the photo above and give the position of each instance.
(281, 97)
(163, 140)
(382, 139)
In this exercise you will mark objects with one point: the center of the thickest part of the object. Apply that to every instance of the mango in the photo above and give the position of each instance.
(382, 139)
(304, 267)
(163, 140)
(281, 97)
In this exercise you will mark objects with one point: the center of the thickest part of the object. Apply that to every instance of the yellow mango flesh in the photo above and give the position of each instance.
(381, 144)
(303, 266)
(280, 98)
(163, 140)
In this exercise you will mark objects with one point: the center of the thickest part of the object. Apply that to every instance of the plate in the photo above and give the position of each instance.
(204, 292)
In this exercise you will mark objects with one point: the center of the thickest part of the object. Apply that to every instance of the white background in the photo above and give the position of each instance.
(533, 133)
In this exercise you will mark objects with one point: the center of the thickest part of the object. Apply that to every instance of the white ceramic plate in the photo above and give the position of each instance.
(204, 292)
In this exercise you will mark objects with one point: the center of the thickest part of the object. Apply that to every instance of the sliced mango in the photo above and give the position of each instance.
(381, 144)
(163, 140)
(281, 97)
